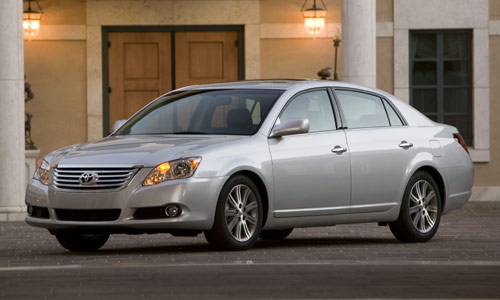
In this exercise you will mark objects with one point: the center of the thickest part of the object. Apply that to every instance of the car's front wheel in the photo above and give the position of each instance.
(78, 241)
(238, 216)
(420, 210)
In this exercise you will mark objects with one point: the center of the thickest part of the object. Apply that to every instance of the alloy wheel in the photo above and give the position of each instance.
(241, 213)
(423, 208)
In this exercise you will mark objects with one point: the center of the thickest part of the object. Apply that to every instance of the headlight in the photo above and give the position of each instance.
(175, 169)
(42, 171)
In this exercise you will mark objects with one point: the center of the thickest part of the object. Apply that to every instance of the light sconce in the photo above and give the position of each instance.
(314, 17)
(31, 19)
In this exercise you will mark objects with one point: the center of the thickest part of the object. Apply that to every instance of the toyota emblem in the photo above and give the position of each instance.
(88, 178)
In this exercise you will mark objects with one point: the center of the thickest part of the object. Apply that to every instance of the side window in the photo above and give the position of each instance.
(314, 106)
(393, 116)
(362, 110)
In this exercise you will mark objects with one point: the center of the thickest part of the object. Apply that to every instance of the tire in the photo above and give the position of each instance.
(238, 219)
(275, 234)
(78, 241)
(420, 212)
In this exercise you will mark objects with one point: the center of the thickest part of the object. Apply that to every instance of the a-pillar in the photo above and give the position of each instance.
(12, 181)
(359, 48)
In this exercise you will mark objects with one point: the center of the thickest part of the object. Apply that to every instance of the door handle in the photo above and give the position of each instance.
(339, 149)
(405, 145)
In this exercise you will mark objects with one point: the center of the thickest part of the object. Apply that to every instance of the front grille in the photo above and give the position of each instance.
(89, 215)
(103, 178)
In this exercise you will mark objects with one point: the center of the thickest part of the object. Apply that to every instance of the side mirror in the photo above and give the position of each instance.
(117, 125)
(289, 127)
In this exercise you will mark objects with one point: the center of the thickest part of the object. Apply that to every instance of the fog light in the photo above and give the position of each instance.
(172, 210)
(30, 210)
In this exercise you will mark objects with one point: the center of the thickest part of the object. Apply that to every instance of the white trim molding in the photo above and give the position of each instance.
(428, 14)
(485, 193)
(385, 29)
(494, 28)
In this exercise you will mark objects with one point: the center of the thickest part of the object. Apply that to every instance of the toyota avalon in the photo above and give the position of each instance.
(247, 160)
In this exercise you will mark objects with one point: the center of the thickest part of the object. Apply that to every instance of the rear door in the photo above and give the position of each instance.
(381, 149)
(310, 179)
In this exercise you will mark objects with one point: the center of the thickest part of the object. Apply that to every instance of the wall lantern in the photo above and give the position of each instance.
(31, 19)
(314, 17)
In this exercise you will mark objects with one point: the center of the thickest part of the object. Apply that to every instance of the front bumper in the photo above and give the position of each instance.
(197, 197)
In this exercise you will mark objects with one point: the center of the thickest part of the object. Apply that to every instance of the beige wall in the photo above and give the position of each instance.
(385, 64)
(296, 58)
(494, 9)
(300, 57)
(67, 12)
(288, 11)
(489, 173)
(385, 11)
(56, 72)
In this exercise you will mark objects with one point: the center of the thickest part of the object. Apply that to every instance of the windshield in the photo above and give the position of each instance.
(232, 112)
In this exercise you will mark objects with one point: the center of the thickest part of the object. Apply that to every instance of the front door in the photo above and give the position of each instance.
(309, 178)
(145, 65)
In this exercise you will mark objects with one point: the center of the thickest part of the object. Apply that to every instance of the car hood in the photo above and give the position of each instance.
(145, 150)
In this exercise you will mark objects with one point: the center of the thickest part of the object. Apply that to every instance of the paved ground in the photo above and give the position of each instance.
(348, 261)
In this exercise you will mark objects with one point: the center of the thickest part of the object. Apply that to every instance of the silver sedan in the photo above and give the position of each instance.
(244, 160)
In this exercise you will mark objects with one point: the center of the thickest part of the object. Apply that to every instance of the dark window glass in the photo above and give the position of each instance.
(425, 45)
(441, 77)
(455, 45)
(455, 72)
(314, 106)
(362, 110)
(425, 100)
(455, 100)
(424, 73)
(238, 112)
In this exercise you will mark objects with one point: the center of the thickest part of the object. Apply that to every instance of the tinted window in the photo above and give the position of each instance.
(204, 112)
(362, 110)
(314, 106)
(441, 77)
(393, 116)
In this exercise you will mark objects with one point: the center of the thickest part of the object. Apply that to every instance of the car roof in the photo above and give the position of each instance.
(281, 84)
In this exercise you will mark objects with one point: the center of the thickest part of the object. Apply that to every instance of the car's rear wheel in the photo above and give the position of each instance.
(238, 216)
(78, 241)
(420, 210)
(275, 234)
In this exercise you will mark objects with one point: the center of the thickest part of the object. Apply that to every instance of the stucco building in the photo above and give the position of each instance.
(96, 61)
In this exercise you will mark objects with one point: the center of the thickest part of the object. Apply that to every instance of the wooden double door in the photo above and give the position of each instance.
(145, 65)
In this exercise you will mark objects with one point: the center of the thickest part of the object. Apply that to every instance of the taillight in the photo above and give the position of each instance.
(461, 141)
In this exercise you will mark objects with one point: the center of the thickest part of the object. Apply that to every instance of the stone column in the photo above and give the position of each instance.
(11, 110)
(359, 48)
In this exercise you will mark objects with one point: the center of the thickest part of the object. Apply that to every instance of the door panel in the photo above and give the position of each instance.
(308, 178)
(205, 57)
(379, 166)
(139, 71)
